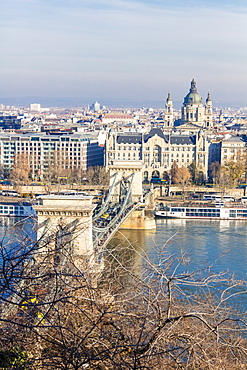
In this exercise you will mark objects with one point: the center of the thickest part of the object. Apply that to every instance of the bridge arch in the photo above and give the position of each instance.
(156, 173)
(145, 176)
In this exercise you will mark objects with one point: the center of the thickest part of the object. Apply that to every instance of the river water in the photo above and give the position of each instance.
(220, 244)
(17, 235)
(205, 242)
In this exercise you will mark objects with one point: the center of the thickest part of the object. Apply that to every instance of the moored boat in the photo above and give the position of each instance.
(201, 211)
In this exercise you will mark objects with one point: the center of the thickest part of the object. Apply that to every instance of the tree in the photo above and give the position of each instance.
(93, 175)
(174, 171)
(227, 175)
(235, 171)
(182, 177)
(214, 172)
(196, 173)
(125, 316)
(56, 166)
(21, 169)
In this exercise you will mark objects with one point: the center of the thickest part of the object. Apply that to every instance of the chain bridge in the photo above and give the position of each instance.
(126, 204)
(74, 220)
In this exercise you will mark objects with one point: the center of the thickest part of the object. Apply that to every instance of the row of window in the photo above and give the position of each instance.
(12, 145)
(197, 210)
(187, 148)
(12, 210)
(203, 214)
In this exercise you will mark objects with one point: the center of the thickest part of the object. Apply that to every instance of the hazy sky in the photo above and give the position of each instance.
(136, 49)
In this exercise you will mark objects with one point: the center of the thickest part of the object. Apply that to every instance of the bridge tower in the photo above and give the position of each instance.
(126, 181)
(125, 174)
(65, 222)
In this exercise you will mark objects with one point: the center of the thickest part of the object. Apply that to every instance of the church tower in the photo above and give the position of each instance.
(193, 108)
(208, 112)
(168, 115)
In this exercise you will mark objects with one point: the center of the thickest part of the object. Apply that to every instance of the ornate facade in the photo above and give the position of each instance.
(193, 111)
(158, 151)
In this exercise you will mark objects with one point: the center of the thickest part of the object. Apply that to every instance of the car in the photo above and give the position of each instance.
(106, 215)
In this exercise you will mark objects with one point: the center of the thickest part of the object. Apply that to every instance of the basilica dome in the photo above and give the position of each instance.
(193, 97)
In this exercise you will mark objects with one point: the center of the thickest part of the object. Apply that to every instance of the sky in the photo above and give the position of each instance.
(124, 50)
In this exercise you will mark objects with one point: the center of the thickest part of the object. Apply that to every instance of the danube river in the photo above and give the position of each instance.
(16, 234)
(222, 245)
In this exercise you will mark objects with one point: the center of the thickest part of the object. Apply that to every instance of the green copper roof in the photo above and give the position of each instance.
(193, 97)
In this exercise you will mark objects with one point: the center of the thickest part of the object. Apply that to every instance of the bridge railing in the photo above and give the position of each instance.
(105, 234)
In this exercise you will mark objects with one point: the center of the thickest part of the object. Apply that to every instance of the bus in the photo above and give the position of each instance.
(157, 180)
(10, 193)
(242, 185)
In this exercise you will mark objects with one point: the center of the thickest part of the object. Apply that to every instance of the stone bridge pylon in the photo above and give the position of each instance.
(125, 174)
(126, 182)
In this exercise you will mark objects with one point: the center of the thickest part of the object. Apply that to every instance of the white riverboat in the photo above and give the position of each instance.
(216, 211)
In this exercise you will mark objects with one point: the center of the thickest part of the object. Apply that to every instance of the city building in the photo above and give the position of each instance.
(233, 149)
(95, 107)
(194, 114)
(158, 151)
(41, 151)
(9, 122)
(35, 107)
(117, 117)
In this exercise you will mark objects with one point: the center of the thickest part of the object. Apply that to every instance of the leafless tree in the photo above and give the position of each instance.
(132, 314)
(21, 169)
(95, 175)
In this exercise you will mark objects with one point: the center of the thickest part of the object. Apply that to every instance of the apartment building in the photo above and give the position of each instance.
(233, 149)
(9, 122)
(69, 151)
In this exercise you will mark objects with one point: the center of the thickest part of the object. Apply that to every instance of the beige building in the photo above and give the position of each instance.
(233, 149)
(158, 151)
